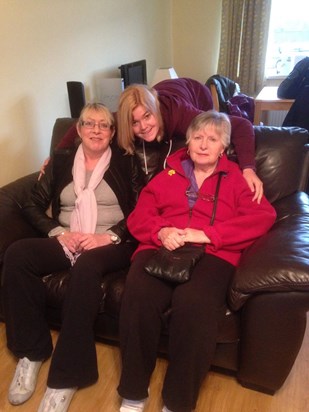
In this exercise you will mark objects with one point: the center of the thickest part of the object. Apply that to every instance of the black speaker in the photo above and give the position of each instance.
(77, 100)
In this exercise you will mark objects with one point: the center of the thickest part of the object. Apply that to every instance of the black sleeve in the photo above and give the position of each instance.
(37, 204)
(127, 180)
(45, 194)
(296, 81)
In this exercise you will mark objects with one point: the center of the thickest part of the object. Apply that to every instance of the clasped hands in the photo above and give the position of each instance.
(173, 238)
(78, 242)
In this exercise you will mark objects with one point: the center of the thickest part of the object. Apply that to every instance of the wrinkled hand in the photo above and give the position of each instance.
(254, 183)
(195, 236)
(79, 242)
(171, 237)
(71, 240)
(90, 241)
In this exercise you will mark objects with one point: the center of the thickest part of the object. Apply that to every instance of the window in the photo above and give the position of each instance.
(288, 39)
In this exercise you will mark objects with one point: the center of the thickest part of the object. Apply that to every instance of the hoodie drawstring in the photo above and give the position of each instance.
(145, 158)
(168, 153)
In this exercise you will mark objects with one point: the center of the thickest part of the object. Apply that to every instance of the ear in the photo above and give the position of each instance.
(78, 127)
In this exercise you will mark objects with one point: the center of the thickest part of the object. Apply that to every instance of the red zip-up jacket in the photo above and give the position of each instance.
(163, 203)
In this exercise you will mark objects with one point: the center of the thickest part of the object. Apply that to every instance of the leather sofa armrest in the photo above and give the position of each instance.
(13, 225)
(18, 190)
(279, 260)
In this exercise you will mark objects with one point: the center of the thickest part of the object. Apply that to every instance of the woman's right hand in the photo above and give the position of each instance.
(71, 240)
(171, 237)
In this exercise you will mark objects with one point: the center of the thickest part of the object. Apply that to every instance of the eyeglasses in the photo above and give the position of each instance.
(91, 124)
(197, 195)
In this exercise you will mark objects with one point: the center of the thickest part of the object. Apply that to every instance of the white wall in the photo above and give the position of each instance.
(196, 26)
(46, 43)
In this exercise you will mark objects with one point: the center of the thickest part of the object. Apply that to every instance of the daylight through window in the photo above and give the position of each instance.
(288, 39)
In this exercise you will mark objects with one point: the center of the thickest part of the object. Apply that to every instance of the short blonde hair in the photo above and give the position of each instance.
(220, 121)
(132, 97)
(97, 107)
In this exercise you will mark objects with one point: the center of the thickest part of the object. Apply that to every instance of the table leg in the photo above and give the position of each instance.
(257, 113)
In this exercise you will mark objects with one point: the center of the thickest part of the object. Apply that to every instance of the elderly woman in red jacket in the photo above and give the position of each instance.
(176, 208)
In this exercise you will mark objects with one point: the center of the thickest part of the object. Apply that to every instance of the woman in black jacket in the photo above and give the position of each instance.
(293, 85)
(296, 86)
(92, 190)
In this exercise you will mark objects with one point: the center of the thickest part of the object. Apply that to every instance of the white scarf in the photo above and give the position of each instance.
(85, 213)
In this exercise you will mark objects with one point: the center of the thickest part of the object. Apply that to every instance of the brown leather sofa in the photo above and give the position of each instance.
(263, 328)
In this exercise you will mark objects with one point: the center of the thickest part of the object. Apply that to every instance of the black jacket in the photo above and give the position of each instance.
(226, 89)
(123, 176)
(298, 115)
(293, 85)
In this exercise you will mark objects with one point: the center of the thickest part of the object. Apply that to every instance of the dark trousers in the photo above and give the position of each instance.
(74, 360)
(196, 308)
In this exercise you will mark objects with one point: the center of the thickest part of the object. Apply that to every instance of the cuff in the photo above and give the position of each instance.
(56, 231)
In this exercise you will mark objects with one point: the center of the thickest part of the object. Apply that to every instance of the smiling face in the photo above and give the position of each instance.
(145, 124)
(95, 131)
(205, 147)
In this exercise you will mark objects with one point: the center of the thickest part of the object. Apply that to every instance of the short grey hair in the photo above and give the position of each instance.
(219, 120)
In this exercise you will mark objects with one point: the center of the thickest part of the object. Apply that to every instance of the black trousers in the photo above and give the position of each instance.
(74, 360)
(196, 308)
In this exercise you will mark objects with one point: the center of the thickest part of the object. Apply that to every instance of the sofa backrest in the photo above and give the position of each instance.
(282, 157)
(282, 160)
(61, 126)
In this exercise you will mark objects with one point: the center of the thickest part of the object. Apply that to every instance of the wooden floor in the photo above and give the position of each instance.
(219, 393)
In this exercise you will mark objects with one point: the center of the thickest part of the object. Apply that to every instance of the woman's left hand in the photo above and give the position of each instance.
(254, 183)
(90, 241)
(195, 236)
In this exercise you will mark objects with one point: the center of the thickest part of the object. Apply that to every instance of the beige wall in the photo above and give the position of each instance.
(46, 43)
(196, 26)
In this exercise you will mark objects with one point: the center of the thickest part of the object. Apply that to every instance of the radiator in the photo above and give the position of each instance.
(275, 117)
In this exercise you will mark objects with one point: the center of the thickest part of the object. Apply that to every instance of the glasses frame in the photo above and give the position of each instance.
(91, 124)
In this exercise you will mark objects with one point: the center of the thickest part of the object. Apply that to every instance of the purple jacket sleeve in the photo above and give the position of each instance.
(243, 139)
(180, 101)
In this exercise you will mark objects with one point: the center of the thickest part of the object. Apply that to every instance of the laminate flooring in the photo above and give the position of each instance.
(219, 393)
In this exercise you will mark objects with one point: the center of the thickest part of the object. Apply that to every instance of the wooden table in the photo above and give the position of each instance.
(267, 100)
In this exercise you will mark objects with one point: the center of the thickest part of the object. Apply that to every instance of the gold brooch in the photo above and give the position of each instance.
(171, 172)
